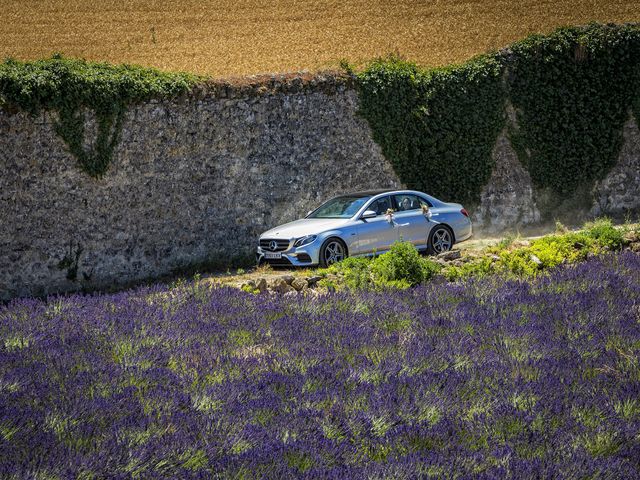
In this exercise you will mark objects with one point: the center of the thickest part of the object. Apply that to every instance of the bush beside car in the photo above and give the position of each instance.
(403, 267)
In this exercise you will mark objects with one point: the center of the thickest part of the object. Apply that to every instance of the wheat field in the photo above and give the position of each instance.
(230, 38)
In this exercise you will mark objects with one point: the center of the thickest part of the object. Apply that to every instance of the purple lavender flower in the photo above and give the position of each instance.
(490, 378)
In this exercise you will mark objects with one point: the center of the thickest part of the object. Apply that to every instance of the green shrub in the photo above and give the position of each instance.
(550, 251)
(506, 242)
(519, 262)
(543, 253)
(355, 272)
(249, 289)
(553, 250)
(605, 234)
(547, 252)
(480, 267)
(402, 266)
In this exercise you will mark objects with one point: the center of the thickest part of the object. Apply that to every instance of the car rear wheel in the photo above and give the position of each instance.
(440, 239)
(333, 250)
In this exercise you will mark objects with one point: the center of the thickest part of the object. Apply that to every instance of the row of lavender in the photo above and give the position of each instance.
(489, 378)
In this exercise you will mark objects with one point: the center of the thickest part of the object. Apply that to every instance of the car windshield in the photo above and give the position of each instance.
(339, 207)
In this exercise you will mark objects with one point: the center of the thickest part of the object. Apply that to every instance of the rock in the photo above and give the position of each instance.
(311, 281)
(261, 284)
(631, 237)
(278, 285)
(536, 260)
(450, 255)
(299, 284)
(313, 293)
(288, 279)
(332, 278)
(291, 293)
(619, 191)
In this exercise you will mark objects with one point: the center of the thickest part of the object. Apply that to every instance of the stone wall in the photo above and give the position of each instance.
(509, 201)
(192, 181)
(197, 179)
(619, 192)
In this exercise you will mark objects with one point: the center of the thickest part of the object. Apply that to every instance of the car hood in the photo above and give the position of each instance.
(305, 226)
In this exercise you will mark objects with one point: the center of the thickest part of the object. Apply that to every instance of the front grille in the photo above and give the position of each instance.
(279, 262)
(281, 244)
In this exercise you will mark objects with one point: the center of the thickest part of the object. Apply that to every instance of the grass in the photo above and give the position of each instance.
(238, 38)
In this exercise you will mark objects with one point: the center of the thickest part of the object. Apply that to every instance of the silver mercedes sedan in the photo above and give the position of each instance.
(365, 223)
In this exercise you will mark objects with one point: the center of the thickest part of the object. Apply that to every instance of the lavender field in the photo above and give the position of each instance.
(489, 378)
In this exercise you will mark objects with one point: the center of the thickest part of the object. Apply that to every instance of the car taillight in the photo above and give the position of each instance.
(464, 212)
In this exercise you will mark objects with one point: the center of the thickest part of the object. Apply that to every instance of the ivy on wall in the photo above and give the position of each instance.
(636, 94)
(437, 127)
(572, 91)
(71, 87)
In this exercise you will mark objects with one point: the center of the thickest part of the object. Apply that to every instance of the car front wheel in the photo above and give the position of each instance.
(333, 250)
(440, 240)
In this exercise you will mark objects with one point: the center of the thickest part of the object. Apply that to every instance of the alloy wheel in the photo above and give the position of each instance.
(333, 252)
(441, 240)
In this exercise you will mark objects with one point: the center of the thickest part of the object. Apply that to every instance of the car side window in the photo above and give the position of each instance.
(406, 202)
(381, 205)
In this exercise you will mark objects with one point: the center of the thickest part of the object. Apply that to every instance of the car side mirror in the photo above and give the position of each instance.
(368, 214)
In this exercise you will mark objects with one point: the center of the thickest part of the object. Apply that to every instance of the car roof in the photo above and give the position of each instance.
(369, 193)
(399, 191)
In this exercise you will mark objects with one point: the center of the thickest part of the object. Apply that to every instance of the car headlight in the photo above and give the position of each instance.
(301, 242)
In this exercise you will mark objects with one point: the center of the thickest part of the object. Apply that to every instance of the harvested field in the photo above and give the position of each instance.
(243, 37)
